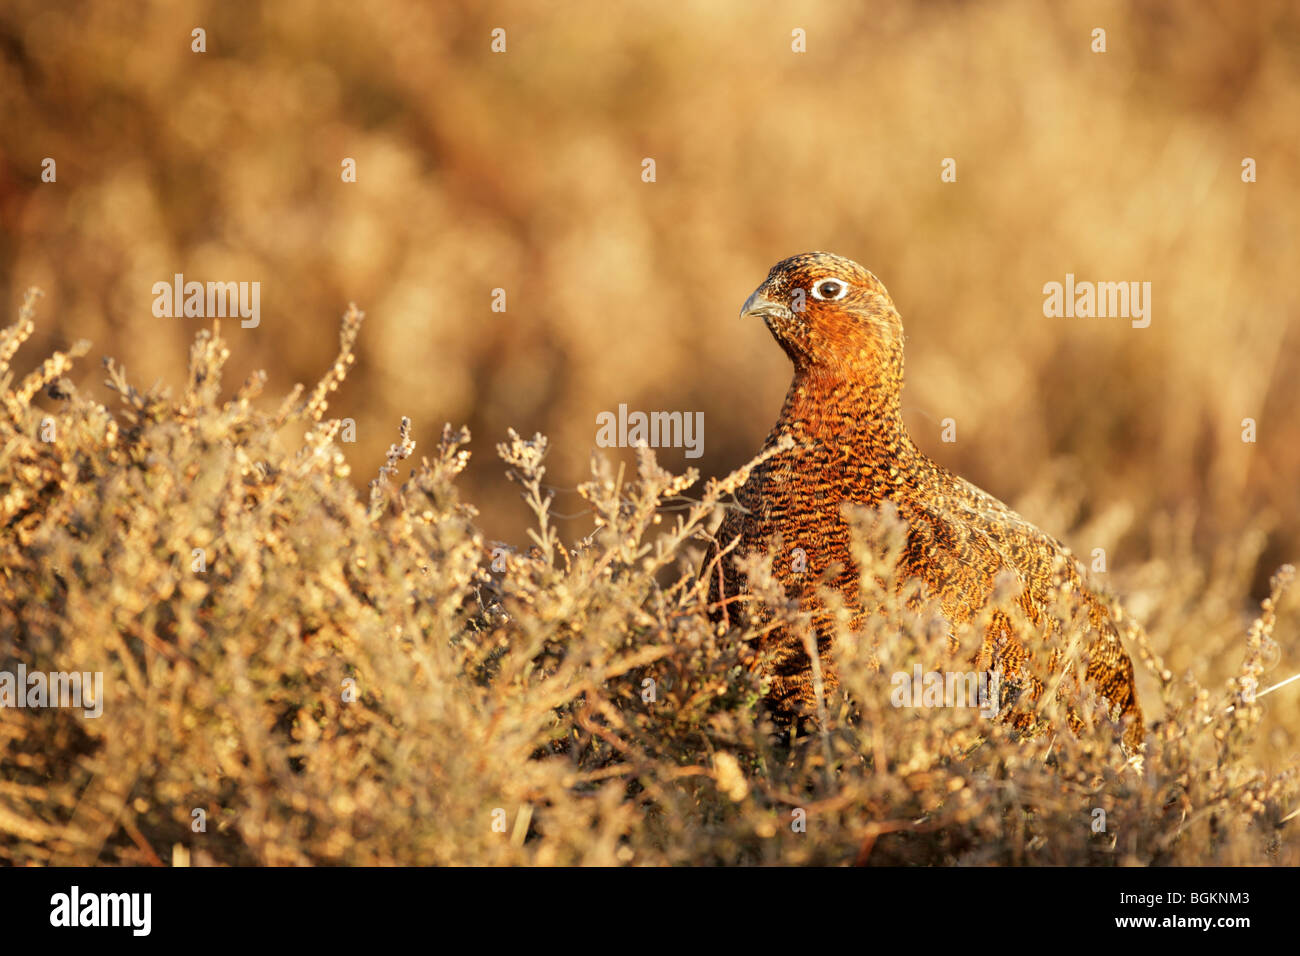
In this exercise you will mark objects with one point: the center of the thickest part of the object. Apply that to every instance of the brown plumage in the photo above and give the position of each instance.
(840, 329)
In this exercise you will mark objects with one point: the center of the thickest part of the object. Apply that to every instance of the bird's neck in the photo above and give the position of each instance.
(830, 408)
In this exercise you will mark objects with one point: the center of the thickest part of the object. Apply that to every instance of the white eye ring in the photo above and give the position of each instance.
(822, 283)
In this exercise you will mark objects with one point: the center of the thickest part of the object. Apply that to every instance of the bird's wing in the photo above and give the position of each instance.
(954, 555)
(1041, 560)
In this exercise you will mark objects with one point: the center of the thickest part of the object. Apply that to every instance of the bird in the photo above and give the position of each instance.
(840, 439)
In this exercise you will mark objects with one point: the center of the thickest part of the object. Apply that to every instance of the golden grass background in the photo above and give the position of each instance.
(522, 171)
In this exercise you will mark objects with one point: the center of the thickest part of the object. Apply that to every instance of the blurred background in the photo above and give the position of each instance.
(522, 170)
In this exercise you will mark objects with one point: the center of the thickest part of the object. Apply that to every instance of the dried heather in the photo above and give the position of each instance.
(295, 673)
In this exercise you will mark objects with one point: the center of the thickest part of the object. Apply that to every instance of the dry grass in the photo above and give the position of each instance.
(347, 680)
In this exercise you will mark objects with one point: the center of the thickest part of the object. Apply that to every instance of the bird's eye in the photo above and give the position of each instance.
(829, 290)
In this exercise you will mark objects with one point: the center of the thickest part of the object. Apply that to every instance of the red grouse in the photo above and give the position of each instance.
(839, 327)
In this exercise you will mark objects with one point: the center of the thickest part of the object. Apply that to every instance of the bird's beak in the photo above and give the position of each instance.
(760, 305)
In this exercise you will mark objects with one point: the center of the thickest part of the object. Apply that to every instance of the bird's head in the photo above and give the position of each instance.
(832, 317)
